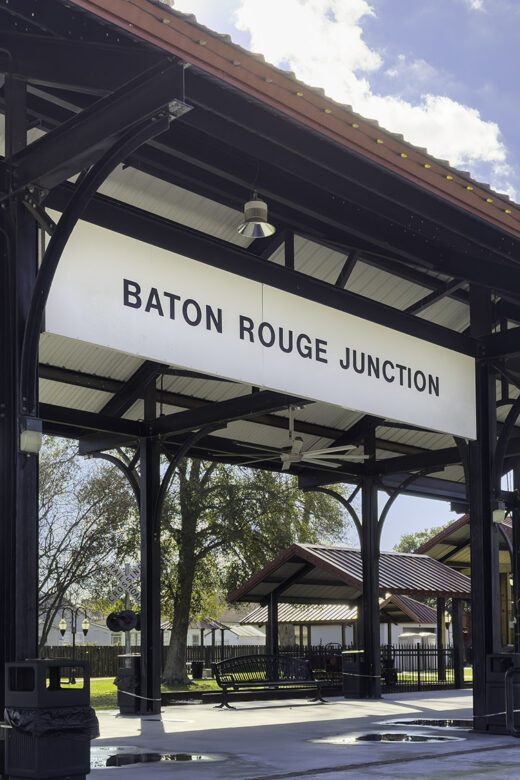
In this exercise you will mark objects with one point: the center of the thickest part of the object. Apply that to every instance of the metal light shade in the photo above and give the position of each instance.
(255, 224)
(62, 625)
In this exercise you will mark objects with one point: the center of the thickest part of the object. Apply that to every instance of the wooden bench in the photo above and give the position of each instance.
(255, 672)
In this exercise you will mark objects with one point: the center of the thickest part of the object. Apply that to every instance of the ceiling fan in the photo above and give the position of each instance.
(331, 457)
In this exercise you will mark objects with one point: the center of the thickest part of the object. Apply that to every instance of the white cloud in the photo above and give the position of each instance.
(322, 42)
(475, 5)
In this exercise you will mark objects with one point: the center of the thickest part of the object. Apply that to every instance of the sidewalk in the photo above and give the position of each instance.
(287, 740)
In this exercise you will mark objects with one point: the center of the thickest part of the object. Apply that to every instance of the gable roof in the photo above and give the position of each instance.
(306, 573)
(451, 545)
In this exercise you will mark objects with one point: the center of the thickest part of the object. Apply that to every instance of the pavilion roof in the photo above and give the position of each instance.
(397, 609)
(452, 545)
(306, 573)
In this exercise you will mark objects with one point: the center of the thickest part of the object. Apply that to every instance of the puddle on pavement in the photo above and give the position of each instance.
(432, 723)
(387, 736)
(113, 756)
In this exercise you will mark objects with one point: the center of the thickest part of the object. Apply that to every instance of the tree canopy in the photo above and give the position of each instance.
(222, 523)
(410, 543)
(84, 509)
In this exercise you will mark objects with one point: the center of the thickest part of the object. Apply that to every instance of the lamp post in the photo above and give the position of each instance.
(62, 625)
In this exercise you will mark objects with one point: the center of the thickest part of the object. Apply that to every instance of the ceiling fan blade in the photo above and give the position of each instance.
(353, 458)
(260, 447)
(319, 462)
(332, 456)
(257, 460)
(286, 464)
(344, 448)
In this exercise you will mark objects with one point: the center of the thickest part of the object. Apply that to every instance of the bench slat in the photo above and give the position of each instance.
(268, 671)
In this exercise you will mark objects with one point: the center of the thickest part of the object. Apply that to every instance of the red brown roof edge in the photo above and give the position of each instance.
(439, 537)
(174, 33)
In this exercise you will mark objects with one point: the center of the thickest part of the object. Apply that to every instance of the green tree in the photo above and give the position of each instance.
(410, 543)
(84, 510)
(221, 524)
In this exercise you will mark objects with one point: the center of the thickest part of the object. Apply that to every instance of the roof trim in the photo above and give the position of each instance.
(250, 73)
(311, 553)
(445, 532)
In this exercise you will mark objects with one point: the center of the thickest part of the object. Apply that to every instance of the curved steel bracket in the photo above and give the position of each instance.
(503, 441)
(82, 195)
(397, 492)
(126, 469)
(345, 502)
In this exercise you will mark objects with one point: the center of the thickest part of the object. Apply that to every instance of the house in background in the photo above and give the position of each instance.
(322, 624)
(98, 634)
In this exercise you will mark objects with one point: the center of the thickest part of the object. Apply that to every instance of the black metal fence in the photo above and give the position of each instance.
(416, 668)
(403, 668)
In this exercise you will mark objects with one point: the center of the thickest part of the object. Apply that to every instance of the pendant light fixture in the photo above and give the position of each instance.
(255, 224)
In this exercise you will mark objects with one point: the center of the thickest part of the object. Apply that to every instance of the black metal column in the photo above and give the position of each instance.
(441, 658)
(151, 650)
(485, 612)
(272, 625)
(516, 561)
(370, 617)
(18, 471)
(458, 642)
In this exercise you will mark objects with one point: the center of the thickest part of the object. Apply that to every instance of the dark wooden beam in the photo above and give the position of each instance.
(133, 389)
(286, 584)
(76, 418)
(346, 271)
(437, 295)
(503, 344)
(243, 407)
(289, 250)
(81, 140)
(432, 459)
(90, 67)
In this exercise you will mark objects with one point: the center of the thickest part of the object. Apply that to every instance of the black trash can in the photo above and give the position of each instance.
(353, 669)
(50, 724)
(196, 669)
(128, 683)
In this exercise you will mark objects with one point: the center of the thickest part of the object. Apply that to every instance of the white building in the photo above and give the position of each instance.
(323, 624)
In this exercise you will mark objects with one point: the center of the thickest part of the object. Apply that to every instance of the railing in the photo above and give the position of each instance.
(402, 668)
(416, 668)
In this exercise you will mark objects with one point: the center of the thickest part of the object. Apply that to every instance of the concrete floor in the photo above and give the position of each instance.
(279, 740)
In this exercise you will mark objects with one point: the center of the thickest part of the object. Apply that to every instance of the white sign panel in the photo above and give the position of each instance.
(121, 293)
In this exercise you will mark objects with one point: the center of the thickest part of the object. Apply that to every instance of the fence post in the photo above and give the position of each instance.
(418, 666)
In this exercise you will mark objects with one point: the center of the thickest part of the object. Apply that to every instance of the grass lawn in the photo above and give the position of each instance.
(103, 692)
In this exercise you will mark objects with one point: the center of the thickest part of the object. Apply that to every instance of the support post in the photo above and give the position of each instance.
(272, 624)
(485, 612)
(458, 642)
(18, 470)
(516, 561)
(151, 655)
(441, 658)
(370, 617)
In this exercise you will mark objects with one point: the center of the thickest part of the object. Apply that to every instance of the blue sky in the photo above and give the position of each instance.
(441, 72)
